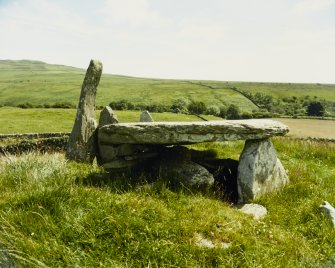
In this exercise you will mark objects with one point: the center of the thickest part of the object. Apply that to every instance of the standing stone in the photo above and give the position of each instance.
(107, 116)
(146, 117)
(81, 146)
(259, 170)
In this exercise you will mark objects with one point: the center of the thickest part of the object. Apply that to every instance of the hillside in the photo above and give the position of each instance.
(42, 84)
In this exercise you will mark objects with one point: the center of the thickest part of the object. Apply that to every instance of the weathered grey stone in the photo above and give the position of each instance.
(174, 133)
(128, 161)
(124, 155)
(107, 116)
(146, 117)
(81, 146)
(329, 210)
(186, 173)
(259, 170)
(257, 211)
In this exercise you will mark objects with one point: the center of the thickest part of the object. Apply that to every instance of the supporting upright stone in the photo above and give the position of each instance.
(107, 116)
(146, 117)
(81, 146)
(259, 170)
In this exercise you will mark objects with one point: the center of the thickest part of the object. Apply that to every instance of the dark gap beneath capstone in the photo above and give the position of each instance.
(172, 160)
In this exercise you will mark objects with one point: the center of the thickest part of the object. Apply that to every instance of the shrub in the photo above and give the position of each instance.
(223, 111)
(122, 105)
(26, 105)
(64, 105)
(233, 112)
(213, 110)
(315, 108)
(179, 106)
(246, 115)
(197, 107)
(261, 114)
(157, 108)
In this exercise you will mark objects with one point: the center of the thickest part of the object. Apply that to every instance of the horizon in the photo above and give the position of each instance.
(162, 78)
(288, 41)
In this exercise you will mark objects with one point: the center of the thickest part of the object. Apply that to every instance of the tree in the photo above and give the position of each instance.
(315, 108)
(233, 112)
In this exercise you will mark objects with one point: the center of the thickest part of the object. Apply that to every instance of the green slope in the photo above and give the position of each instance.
(281, 90)
(40, 83)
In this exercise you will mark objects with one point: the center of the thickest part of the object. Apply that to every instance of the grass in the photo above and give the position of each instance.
(40, 83)
(55, 213)
(281, 90)
(16, 120)
(50, 84)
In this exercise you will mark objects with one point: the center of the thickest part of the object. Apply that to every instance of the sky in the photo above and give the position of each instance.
(228, 40)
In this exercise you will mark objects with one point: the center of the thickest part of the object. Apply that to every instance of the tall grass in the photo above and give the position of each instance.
(55, 213)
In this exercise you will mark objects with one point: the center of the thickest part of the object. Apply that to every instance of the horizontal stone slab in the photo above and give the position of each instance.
(179, 133)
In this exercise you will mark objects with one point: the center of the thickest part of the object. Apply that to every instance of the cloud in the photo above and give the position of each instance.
(46, 30)
(205, 30)
(226, 40)
(307, 7)
(131, 12)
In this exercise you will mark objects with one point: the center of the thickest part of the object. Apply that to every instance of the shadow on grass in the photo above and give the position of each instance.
(224, 172)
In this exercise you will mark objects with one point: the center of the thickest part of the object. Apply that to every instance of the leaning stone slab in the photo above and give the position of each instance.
(81, 146)
(107, 116)
(259, 170)
(179, 133)
(146, 117)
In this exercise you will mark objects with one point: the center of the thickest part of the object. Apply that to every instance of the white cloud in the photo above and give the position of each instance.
(132, 12)
(223, 40)
(204, 30)
(306, 7)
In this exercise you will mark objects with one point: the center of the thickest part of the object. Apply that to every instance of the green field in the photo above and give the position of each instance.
(17, 120)
(43, 84)
(55, 213)
(282, 90)
(39, 84)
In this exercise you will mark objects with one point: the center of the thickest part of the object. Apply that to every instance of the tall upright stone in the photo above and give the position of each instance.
(81, 146)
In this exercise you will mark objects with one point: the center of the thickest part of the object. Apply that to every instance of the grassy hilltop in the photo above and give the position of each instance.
(43, 85)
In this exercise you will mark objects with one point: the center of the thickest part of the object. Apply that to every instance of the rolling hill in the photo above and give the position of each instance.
(42, 84)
